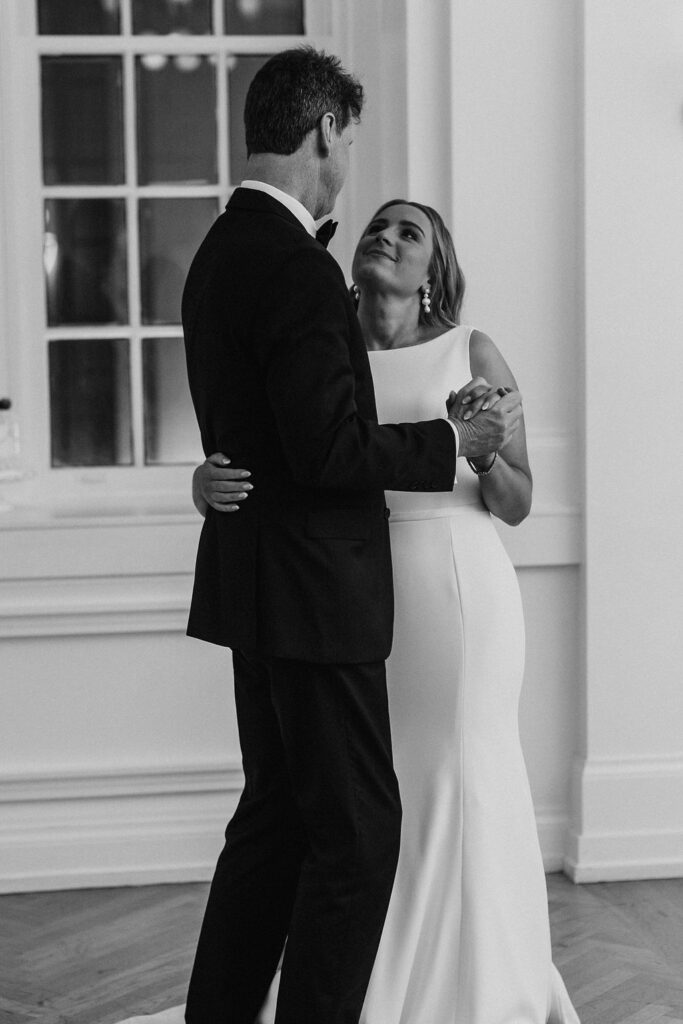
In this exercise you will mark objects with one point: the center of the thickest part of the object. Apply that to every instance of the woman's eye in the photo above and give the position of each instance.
(410, 234)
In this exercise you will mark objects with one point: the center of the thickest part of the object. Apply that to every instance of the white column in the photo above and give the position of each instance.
(4, 255)
(401, 50)
(629, 785)
(429, 96)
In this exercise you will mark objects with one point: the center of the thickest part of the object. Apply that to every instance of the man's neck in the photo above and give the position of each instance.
(290, 174)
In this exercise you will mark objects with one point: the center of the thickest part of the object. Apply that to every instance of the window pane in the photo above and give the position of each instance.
(171, 432)
(170, 233)
(82, 108)
(241, 70)
(85, 261)
(78, 17)
(176, 99)
(90, 402)
(264, 17)
(160, 17)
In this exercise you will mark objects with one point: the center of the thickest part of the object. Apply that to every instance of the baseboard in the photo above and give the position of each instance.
(552, 827)
(622, 870)
(630, 819)
(91, 862)
(121, 826)
(624, 856)
(137, 825)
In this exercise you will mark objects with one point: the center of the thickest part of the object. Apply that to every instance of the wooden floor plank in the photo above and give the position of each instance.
(96, 956)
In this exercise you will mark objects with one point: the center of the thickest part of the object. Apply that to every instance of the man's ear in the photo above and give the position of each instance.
(327, 126)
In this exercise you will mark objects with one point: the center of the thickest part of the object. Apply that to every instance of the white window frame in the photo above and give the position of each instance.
(23, 328)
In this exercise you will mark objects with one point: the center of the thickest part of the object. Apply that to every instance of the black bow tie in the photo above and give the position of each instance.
(325, 232)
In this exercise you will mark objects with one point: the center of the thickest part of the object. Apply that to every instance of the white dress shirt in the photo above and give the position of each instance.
(292, 204)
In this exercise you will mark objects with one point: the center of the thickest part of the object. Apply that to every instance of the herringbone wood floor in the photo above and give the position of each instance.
(95, 956)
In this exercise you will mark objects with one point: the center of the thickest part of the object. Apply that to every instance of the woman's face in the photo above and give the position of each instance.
(394, 253)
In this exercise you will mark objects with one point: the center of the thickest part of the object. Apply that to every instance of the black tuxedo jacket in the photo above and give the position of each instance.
(281, 382)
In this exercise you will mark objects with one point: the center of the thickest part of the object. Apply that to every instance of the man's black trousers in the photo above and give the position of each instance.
(310, 854)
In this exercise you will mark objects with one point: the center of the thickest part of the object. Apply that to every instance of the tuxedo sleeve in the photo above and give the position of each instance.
(302, 342)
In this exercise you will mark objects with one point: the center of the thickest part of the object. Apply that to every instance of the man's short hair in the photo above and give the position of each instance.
(290, 94)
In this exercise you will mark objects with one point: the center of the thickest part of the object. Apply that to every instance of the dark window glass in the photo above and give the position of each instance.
(264, 17)
(160, 17)
(176, 99)
(78, 17)
(170, 233)
(82, 117)
(241, 70)
(85, 261)
(90, 410)
(171, 432)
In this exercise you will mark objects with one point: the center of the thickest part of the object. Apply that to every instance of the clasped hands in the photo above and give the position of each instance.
(486, 418)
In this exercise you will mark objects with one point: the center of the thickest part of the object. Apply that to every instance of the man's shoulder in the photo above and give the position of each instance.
(277, 246)
(262, 227)
(255, 210)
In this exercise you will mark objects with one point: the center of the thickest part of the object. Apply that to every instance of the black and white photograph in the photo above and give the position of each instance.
(341, 573)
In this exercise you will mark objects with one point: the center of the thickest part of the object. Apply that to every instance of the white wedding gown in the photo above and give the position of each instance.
(466, 938)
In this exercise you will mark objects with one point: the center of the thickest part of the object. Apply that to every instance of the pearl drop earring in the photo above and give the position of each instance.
(426, 300)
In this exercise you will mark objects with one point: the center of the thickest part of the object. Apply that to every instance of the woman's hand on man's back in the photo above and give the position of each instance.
(216, 484)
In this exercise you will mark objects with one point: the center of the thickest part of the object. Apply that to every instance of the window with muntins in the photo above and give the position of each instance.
(141, 144)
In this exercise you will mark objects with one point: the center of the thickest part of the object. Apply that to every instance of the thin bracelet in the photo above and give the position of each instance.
(482, 472)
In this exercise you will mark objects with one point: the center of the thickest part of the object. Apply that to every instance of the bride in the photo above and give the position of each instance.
(466, 938)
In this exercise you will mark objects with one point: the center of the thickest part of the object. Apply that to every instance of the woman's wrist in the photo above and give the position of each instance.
(483, 464)
(198, 499)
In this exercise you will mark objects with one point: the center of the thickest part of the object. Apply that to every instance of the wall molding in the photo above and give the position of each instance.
(123, 825)
(128, 567)
(119, 780)
(95, 605)
(623, 802)
(133, 603)
(135, 825)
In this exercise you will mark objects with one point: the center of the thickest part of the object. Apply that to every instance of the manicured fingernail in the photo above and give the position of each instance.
(234, 508)
(249, 487)
(225, 462)
(467, 400)
(467, 416)
(245, 472)
(485, 405)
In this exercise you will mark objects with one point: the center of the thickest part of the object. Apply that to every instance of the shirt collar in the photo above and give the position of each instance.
(292, 204)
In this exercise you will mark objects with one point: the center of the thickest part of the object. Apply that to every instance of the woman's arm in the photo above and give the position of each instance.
(213, 484)
(506, 490)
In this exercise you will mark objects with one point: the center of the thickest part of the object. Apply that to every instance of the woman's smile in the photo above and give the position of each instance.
(381, 252)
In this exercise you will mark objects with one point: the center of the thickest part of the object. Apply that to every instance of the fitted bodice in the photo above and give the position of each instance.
(412, 384)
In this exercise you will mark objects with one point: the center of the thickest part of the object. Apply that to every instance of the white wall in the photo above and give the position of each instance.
(629, 781)
(118, 752)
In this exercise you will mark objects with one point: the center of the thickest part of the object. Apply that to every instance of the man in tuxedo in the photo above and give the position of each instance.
(299, 583)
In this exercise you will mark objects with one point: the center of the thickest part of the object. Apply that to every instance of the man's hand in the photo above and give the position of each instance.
(485, 417)
(473, 397)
